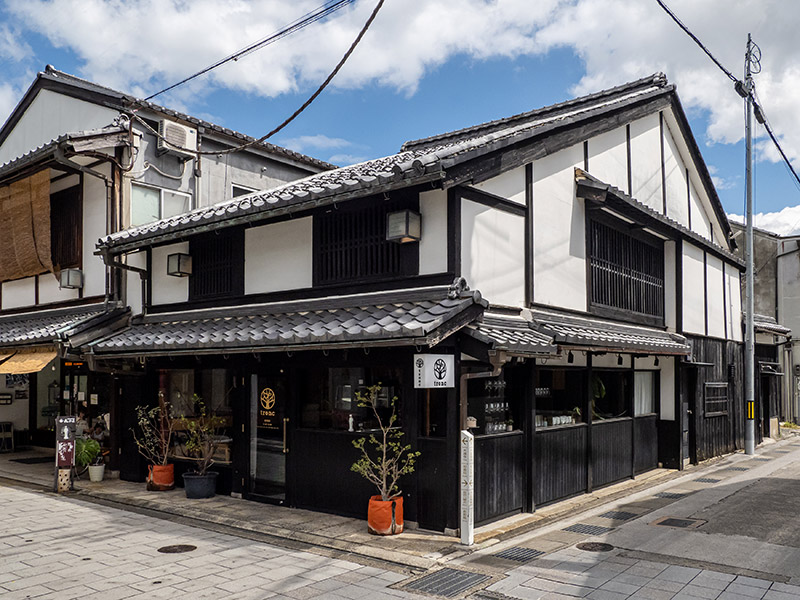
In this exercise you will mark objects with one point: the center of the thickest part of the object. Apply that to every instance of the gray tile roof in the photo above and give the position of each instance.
(515, 335)
(767, 324)
(43, 326)
(416, 164)
(600, 334)
(421, 317)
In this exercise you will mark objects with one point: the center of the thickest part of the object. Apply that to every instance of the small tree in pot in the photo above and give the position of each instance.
(383, 461)
(201, 444)
(89, 454)
(154, 441)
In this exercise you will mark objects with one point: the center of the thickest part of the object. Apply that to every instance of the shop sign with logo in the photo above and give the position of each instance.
(434, 371)
(268, 409)
(65, 441)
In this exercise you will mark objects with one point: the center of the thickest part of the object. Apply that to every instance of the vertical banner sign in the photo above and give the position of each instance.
(65, 442)
(269, 409)
(434, 371)
(467, 488)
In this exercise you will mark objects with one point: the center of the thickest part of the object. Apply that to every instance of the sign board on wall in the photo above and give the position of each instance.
(434, 371)
(467, 463)
(268, 409)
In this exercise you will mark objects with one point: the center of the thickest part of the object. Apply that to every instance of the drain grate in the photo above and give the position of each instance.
(737, 469)
(670, 495)
(177, 549)
(595, 547)
(763, 459)
(680, 523)
(707, 480)
(588, 529)
(446, 582)
(618, 515)
(519, 554)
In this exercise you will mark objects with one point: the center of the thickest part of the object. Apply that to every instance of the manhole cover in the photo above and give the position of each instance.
(678, 522)
(670, 495)
(588, 529)
(595, 547)
(447, 582)
(519, 554)
(177, 549)
(707, 480)
(618, 515)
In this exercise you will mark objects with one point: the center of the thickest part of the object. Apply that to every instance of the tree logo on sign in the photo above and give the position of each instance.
(267, 399)
(440, 369)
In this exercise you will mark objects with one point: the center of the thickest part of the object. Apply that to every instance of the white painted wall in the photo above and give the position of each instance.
(493, 253)
(94, 227)
(167, 289)
(433, 243)
(646, 162)
(509, 185)
(133, 283)
(49, 291)
(701, 224)
(17, 411)
(675, 176)
(278, 256)
(667, 382)
(19, 293)
(608, 158)
(559, 238)
(49, 115)
(670, 286)
(734, 296)
(694, 297)
(62, 184)
(716, 301)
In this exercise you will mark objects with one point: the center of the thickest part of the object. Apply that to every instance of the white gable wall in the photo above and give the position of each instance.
(646, 162)
(278, 256)
(694, 293)
(133, 283)
(675, 177)
(48, 116)
(716, 299)
(493, 253)
(701, 224)
(733, 294)
(559, 238)
(509, 185)
(433, 243)
(94, 227)
(608, 158)
(670, 286)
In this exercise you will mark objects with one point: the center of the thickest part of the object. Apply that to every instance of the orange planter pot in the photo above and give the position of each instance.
(161, 477)
(385, 517)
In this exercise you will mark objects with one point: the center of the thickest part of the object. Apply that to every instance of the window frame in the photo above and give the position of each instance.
(198, 245)
(76, 261)
(160, 191)
(716, 399)
(245, 189)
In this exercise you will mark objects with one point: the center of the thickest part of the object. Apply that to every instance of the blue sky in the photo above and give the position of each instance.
(425, 67)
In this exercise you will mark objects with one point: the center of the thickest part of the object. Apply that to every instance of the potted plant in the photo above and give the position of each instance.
(88, 454)
(510, 425)
(201, 444)
(383, 461)
(154, 441)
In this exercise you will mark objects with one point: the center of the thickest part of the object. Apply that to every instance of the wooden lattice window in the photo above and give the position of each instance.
(217, 265)
(715, 398)
(351, 245)
(627, 272)
(66, 228)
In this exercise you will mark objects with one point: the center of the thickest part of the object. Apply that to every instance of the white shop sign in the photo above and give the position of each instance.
(467, 488)
(434, 371)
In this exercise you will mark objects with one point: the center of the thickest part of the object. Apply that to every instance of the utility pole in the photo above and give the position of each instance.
(749, 352)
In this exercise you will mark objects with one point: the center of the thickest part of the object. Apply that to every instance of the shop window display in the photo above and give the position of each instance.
(560, 397)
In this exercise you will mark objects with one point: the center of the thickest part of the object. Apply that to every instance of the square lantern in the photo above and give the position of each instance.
(403, 226)
(179, 265)
(70, 279)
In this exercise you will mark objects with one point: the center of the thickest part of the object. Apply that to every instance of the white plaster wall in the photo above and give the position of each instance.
(49, 115)
(49, 292)
(433, 243)
(700, 221)
(608, 158)
(167, 289)
(19, 293)
(559, 257)
(94, 227)
(716, 302)
(509, 185)
(493, 253)
(133, 282)
(675, 177)
(278, 256)
(646, 162)
(734, 295)
(694, 298)
(670, 286)
(667, 382)
(62, 184)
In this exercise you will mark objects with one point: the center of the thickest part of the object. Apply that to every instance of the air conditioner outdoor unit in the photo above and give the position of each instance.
(176, 139)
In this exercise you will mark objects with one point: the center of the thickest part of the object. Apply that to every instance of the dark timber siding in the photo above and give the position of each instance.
(645, 439)
(560, 463)
(499, 475)
(611, 451)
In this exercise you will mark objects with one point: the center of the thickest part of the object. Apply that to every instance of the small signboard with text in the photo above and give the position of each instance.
(269, 409)
(434, 371)
(65, 442)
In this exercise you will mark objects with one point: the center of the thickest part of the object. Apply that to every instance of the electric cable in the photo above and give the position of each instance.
(300, 23)
(295, 114)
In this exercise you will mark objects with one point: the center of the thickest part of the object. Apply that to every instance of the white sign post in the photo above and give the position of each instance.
(467, 488)
(434, 371)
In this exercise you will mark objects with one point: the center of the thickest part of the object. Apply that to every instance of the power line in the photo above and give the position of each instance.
(307, 19)
(296, 113)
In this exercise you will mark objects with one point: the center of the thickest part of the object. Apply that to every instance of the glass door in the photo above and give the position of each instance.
(269, 442)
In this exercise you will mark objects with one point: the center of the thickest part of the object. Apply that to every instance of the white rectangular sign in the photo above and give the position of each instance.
(467, 460)
(434, 371)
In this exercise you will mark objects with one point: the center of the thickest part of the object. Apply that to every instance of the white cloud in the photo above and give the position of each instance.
(305, 143)
(12, 47)
(783, 222)
(722, 183)
(344, 160)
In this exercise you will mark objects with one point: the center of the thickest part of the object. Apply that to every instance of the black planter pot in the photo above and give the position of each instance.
(200, 486)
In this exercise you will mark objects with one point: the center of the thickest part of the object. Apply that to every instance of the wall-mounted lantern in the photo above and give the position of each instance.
(403, 226)
(179, 265)
(70, 279)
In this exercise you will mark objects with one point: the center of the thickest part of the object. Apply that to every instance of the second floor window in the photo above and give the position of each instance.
(150, 204)
(217, 265)
(626, 273)
(66, 228)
